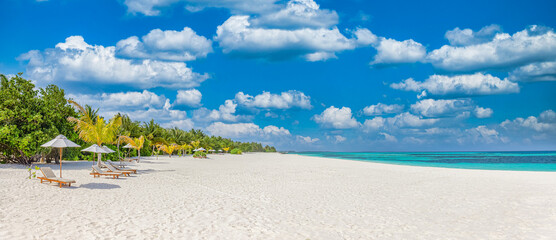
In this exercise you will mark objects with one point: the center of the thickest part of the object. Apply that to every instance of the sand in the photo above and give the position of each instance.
(276, 196)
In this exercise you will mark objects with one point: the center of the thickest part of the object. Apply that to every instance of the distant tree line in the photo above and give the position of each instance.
(30, 117)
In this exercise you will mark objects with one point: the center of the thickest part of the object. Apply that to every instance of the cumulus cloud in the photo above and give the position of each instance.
(337, 118)
(75, 60)
(483, 134)
(238, 130)
(534, 72)
(390, 51)
(306, 139)
(546, 122)
(480, 112)
(299, 14)
(475, 84)
(266, 100)
(153, 7)
(374, 124)
(465, 37)
(225, 112)
(534, 44)
(191, 97)
(184, 124)
(184, 45)
(133, 100)
(237, 37)
(406, 119)
(339, 138)
(388, 137)
(380, 109)
(441, 107)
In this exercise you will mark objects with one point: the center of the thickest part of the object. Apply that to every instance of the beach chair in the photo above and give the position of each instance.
(121, 168)
(51, 177)
(114, 170)
(97, 172)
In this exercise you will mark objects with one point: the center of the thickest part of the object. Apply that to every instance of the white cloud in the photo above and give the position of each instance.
(225, 112)
(339, 138)
(464, 37)
(184, 124)
(266, 100)
(545, 123)
(236, 36)
(374, 124)
(475, 84)
(273, 130)
(441, 107)
(380, 109)
(238, 130)
(152, 7)
(75, 60)
(191, 97)
(392, 51)
(388, 137)
(534, 44)
(543, 71)
(482, 134)
(480, 112)
(307, 139)
(406, 119)
(184, 45)
(145, 99)
(338, 118)
(299, 13)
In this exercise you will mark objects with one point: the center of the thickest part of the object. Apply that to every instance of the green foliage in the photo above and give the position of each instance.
(200, 154)
(30, 117)
(236, 151)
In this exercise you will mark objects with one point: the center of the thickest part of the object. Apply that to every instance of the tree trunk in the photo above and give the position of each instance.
(138, 155)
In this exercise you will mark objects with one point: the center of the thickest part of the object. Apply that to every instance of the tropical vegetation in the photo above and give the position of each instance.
(31, 116)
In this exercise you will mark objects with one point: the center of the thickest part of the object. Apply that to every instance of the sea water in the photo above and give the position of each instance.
(515, 161)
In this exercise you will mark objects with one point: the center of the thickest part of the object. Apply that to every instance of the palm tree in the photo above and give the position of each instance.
(94, 130)
(168, 148)
(136, 143)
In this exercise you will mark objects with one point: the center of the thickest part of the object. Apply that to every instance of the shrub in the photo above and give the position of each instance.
(235, 151)
(200, 154)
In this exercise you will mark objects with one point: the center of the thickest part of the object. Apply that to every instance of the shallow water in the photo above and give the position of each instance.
(516, 161)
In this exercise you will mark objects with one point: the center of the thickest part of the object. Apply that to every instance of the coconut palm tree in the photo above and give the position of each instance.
(136, 143)
(168, 148)
(94, 130)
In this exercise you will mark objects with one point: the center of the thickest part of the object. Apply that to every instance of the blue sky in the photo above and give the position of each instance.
(303, 74)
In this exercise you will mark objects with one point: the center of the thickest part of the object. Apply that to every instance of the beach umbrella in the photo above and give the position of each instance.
(60, 142)
(108, 149)
(199, 149)
(95, 149)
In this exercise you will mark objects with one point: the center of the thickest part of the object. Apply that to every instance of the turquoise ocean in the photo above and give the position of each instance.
(515, 161)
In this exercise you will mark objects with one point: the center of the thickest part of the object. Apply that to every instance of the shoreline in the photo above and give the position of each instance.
(279, 196)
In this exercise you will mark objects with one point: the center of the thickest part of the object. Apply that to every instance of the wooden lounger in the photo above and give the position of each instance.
(121, 168)
(111, 169)
(51, 177)
(97, 172)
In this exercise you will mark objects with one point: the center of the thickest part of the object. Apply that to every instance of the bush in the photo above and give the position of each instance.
(200, 154)
(235, 151)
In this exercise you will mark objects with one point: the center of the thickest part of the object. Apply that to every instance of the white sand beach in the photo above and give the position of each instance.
(276, 196)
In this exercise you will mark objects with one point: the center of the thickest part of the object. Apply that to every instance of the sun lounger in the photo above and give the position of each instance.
(114, 170)
(51, 177)
(98, 172)
(120, 168)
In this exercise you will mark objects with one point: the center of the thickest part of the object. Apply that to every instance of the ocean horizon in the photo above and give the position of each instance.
(500, 160)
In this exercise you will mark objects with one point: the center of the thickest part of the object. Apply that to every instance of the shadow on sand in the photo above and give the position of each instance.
(99, 186)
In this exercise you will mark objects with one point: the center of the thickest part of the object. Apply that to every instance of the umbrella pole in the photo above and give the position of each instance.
(60, 162)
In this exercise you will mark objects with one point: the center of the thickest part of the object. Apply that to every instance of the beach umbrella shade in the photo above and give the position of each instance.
(60, 142)
(199, 149)
(108, 149)
(95, 149)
